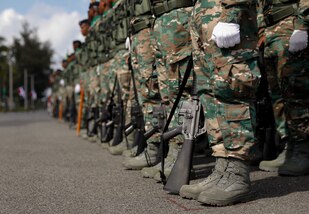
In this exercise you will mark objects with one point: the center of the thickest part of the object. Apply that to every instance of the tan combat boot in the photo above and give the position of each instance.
(297, 163)
(149, 157)
(126, 143)
(130, 153)
(192, 191)
(151, 172)
(233, 186)
(273, 165)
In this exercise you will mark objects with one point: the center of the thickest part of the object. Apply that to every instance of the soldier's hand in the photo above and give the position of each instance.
(298, 41)
(61, 82)
(226, 35)
(77, 88)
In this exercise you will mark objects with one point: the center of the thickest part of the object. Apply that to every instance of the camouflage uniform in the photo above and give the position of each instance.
(288, 73)
(172, 50)
(94, 69)
(143, 59)
(227, 79)
(119, 67)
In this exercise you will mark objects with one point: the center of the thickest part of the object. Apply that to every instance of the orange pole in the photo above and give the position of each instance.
(60, 111)
(80, 111)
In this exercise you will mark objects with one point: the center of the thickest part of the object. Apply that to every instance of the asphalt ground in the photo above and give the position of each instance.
(46, 168)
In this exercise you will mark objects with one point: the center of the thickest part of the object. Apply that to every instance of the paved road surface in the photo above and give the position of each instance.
(45, 168)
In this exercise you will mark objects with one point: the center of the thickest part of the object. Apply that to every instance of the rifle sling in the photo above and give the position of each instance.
(170, 116)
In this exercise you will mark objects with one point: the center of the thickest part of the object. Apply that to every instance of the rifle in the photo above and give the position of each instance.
(89, 118)
(67, 109)
(118, 119)
(73, 112)
(137, 122)
(106, 119)
(192, 126)
(106, 115)
(158, 121)
(92, 126)
(265, 119)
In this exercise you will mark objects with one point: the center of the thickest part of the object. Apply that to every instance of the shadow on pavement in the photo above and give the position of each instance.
(278, 186)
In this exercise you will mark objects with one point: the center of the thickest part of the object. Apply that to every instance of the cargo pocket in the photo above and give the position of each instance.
(296, 86)
(298, 120)
(237, 81)
(236, 126)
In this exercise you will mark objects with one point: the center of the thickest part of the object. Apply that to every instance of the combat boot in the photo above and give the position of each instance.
(130, 152)
(273, 165)
(106, 145)
(297, 163)
(149, 157)
(151, 172)
(232, 187)
(83, 134)
(126, 143)
(93, 138)
(192, 191)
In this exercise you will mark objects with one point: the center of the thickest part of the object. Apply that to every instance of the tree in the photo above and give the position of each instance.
(31, 54)
(3, 66)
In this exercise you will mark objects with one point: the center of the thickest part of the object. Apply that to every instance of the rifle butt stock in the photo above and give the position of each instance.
(180, 174)
(140, 141)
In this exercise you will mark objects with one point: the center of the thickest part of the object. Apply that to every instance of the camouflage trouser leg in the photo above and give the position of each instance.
(104, 82)
(172, 50)
(227, 81)
(94, 85)
(146, 82)
(289, 82)
(119, 67)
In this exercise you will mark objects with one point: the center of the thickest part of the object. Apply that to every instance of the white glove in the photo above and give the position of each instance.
(77, 88)
(298, 41)
(226, 35)
(61, 82)
(128, 44)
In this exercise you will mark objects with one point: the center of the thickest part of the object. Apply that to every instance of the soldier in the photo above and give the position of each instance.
(119, 71)
(286, 60)
(76, 72)
(143, 59)
(224, 37)
(55, 80)
(82, 58)
(62, 93)
(92, 70)
(172, 46)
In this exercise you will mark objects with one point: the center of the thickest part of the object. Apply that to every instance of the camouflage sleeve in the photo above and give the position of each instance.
(302, 21)
(231, 9)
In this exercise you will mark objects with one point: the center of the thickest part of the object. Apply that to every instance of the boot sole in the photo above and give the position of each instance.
(189, 196)
(268, 169)
(133, 168)
(115, 152)
(146, 175)
(220, 203)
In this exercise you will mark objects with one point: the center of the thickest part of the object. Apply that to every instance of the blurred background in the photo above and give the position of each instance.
(35, 35)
